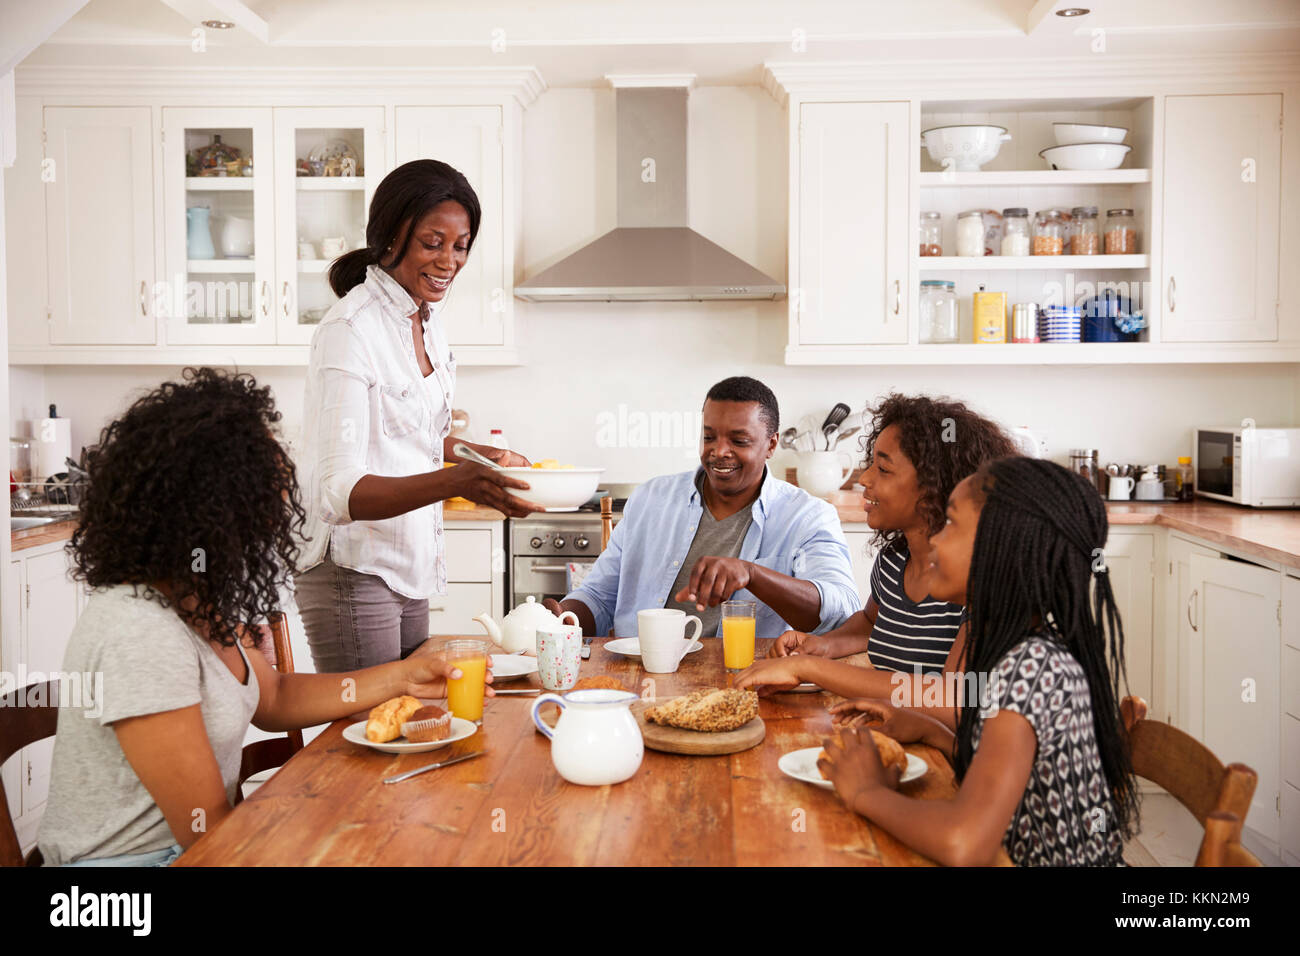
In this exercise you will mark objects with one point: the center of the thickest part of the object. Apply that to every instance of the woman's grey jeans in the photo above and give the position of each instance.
(354, 620)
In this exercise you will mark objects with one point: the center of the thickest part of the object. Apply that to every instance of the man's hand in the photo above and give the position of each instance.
(714, 580)
(797, 642)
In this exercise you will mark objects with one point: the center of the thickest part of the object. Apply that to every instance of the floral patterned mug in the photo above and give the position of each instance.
(559, 652)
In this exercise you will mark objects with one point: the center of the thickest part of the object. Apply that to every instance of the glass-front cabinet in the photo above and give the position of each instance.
(219, 229)
(328, 162)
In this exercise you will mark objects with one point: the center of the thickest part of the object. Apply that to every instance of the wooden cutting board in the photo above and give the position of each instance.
(674, 740)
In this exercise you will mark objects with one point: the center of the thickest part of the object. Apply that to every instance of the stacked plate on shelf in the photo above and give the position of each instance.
(1060, 323)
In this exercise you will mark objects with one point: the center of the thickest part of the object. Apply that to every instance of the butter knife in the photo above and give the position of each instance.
(528, 690)
(434, 766)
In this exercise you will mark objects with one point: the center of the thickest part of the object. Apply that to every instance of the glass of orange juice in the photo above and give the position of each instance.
(465, 693)
(738, 634)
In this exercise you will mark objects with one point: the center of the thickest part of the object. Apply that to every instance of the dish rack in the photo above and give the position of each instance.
(54, 496)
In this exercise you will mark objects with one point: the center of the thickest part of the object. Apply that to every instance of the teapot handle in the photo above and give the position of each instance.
(559, 701)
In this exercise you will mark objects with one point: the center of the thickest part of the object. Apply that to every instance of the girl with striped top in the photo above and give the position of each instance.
(917, 451)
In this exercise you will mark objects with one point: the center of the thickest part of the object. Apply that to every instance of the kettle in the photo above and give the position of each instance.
(518, 629)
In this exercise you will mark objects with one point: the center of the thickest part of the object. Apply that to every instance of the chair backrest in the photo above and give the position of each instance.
(27, 715)
(606, 521)
(1218, 796)
(265, 754)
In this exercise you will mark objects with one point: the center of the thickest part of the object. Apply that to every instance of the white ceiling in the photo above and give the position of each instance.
(575, 42)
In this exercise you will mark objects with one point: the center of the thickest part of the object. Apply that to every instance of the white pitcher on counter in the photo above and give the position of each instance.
(822, 472)
(518, 629)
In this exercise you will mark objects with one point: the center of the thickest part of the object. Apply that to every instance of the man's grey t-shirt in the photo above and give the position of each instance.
(151, 662)
(721, 539)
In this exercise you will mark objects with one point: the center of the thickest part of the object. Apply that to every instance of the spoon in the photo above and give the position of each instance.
(461, 450)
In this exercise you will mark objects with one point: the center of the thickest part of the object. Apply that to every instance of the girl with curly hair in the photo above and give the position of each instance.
(186, 535)
(917, 450)
(1042, 758)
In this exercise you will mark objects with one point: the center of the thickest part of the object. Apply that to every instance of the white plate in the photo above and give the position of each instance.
(804, 688)
(802, 765)
(507, 666)
(460, 729)
(631, 647)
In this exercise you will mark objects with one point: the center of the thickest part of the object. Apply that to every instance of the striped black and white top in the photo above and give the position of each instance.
(908, 635)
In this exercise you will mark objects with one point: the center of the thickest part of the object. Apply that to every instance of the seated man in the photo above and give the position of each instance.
(729, 530)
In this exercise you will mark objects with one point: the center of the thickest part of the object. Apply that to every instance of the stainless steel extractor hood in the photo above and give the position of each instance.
(652, 254)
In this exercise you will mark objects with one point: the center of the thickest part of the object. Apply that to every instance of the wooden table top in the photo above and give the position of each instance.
(328, 805)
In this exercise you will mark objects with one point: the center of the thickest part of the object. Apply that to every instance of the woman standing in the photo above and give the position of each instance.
(376, 423)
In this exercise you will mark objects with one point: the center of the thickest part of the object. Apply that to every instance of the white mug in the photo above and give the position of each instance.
(333, 247)
(306, 250)
(1121, 486)
(661, 633)
(1149, 489)
(559, 653)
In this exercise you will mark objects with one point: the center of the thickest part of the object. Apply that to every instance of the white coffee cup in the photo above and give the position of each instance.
(306, 250)
(1121, 486)
(333, 247)
(559, 654)
(661, 632)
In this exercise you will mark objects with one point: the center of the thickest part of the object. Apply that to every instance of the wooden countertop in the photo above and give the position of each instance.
(328, 807)
(1270, 535)
(468, 511)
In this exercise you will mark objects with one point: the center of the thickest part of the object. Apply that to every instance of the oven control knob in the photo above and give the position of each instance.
(535, 543)
(581, 542)
(558, 542)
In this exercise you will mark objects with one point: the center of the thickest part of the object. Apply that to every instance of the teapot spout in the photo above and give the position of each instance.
(490, 626)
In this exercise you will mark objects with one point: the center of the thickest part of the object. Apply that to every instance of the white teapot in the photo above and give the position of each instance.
(596, 741)
(518, 629)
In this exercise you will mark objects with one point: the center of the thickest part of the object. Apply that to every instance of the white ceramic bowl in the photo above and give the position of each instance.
(1070, 134)
(1085, 156)
(966, 147)
(558, 488)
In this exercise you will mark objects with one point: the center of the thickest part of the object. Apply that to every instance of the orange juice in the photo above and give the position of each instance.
(737, 642)
(465, 694)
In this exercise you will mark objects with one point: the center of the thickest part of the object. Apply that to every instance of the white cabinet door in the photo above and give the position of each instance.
(468, 554)
(863, 553)
(1222, 174)
(218, 290)
(1239, 610)
(1129, 559)
(454, 612)
(12, 770)
(850, 260)
(99, 225)
(469, 138)
(1184, 641)
(310, 209)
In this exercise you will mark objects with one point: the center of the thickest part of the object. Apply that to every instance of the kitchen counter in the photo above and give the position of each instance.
(1268, 535)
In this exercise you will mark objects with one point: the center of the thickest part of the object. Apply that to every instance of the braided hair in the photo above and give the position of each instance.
(1037, 555)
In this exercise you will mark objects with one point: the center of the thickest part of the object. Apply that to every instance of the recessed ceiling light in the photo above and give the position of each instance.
(218, 24)
(1073, 12)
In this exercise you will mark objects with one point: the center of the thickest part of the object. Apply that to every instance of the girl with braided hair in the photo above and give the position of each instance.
(1042, 760)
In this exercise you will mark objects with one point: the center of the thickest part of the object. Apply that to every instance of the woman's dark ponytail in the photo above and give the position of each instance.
(401, 200)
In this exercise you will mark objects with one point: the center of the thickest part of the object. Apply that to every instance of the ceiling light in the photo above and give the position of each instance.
(218, 24)
(1073, 12)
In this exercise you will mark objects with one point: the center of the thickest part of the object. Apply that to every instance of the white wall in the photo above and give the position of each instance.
(584, 359)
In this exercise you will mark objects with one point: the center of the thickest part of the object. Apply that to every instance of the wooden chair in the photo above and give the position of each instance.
(606, 521)
(20, 727)
(1218, 796)
(270, 754)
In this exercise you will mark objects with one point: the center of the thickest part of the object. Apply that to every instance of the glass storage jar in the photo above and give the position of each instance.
(1049, 234)
(938, 311)
(931, 234)
(1015, 235)
(1121, 234)
(1085, 239)
(970, 233)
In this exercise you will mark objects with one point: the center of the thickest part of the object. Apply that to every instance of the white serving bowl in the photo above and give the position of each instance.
(967, 148)
(1070, 134)
(561, 489)
(1085, 156)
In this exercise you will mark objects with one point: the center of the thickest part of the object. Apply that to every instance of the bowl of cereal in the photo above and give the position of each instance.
(556, 486)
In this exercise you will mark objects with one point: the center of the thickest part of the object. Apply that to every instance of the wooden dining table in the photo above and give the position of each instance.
(328, 805)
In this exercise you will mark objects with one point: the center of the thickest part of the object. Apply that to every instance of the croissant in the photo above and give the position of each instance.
(385, 721)
(891, 751)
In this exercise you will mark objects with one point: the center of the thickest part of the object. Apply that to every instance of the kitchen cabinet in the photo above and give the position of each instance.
(1222, 184)
(480, 307)
(1184, 647)
(1237, 614)
(311, 209)
(98, 182)
(849, 230)
(475, 555)
(219, 231)
(1130, 565)
(1290, 719)
(863, 552)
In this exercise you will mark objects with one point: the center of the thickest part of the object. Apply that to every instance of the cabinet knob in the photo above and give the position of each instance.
(265, 289)
(284, 299)
(1173, 287)
(897, 295)
(144, 309)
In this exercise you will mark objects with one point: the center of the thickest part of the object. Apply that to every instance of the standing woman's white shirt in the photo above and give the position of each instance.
(369, 410)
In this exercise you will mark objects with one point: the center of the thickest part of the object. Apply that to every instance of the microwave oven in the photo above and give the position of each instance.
(1248, 465)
